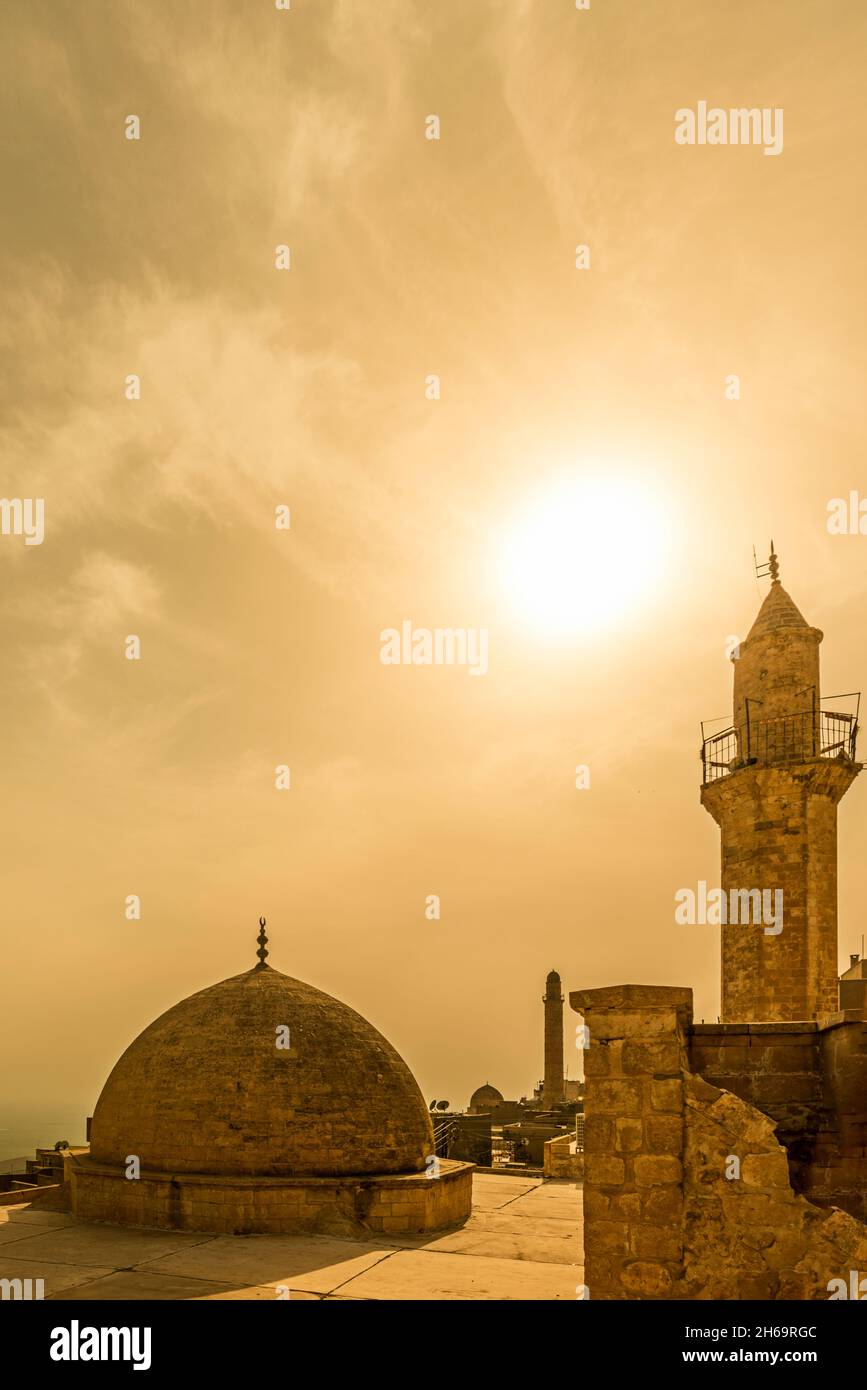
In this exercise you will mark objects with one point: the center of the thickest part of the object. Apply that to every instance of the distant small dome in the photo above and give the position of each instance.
(486, 1095)
(553, 975)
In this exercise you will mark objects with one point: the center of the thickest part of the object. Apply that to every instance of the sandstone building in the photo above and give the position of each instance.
(772, 782)
(729, 1160)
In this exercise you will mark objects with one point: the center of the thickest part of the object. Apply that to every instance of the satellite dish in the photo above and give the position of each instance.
(442, 1105)
(433, 1105)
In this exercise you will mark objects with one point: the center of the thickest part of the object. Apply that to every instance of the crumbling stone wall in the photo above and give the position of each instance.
(811, 1079)
(776, 1067)
(746, 1234)
(686, 1188)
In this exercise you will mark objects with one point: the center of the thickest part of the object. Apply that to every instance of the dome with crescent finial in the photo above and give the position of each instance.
(264, 1075)
(485, 1097)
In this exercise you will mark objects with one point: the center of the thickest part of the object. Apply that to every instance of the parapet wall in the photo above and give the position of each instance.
(562, 1159)
(686, 1190)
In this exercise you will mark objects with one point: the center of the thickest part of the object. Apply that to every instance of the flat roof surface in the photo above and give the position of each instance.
(524, 1240)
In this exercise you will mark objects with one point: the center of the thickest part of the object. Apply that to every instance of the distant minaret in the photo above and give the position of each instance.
(772, 783)
(552, 1086)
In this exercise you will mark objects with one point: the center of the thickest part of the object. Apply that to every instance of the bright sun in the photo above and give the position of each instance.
(584, 554)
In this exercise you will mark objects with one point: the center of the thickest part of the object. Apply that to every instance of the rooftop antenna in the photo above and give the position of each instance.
(770, 570)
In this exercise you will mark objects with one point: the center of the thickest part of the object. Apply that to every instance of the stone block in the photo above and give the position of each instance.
(662, 1056)
(657, 1243)
(609, 1237)
(615, 1097)
(657, 1169)
(629, 1134)
(599, 1134)
(766, 1170)
(597, 1060)
(663, 1204)
(626, 1205)
(596, 1203)
(664, 1134)
(667, 1095)
(646, 1279)
(606, 1171)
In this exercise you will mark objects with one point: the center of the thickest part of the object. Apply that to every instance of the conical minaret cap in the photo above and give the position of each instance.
(779, 611)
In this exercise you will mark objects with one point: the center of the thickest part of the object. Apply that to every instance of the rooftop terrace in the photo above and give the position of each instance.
(524, 1240)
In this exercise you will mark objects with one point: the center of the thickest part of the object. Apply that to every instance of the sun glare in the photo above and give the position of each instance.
(584, 555)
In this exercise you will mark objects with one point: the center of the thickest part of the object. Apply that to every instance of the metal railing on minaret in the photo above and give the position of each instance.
(799, 737)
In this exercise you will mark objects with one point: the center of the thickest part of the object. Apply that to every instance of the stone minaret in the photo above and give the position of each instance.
(552, 1086)
(772, 784)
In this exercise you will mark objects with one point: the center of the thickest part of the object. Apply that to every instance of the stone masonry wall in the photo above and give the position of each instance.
(687, 1189)
(838, 1170)
(778, 831)
(355, 1207)
(633, 1139)
(811, 1080)
(776, 1067)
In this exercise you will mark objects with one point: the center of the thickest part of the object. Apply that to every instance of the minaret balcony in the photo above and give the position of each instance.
(790, 738)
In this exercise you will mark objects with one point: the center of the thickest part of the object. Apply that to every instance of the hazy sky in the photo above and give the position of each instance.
(306, 387)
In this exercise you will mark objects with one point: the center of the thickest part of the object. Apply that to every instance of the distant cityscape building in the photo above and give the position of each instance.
(497, 1132)
(553, 1092)
(485, 1098)
(853, 985)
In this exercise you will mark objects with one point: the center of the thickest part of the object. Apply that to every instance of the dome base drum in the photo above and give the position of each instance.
(385, 1204)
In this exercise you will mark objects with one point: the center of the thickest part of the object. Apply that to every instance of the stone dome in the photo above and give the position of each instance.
(205, 1089)
(484, 1096)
